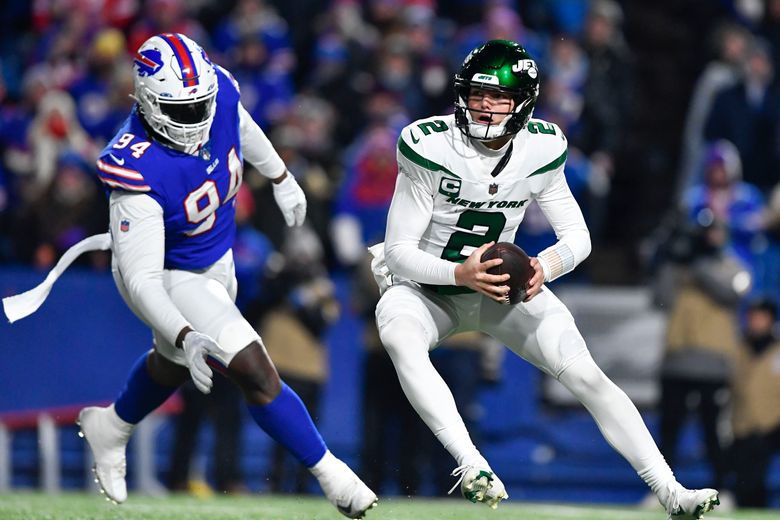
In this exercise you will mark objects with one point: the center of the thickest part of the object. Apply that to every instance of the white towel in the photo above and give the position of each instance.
(382, 274)
(22, 305)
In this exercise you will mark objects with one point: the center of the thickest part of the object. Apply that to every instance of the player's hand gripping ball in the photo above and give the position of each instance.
(517, 263)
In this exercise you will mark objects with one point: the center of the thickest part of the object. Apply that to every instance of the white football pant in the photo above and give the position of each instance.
(206, 299)
(412, 321)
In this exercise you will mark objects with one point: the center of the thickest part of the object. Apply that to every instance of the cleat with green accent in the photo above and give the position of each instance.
(689, 504)
(479, 484)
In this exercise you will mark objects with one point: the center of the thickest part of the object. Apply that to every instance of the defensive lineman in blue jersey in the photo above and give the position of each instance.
(172, 173)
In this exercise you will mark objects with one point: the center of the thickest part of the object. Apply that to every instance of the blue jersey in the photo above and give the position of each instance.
(196, 192)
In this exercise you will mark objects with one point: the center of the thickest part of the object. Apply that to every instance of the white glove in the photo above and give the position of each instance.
(291, 200)
(196, 347)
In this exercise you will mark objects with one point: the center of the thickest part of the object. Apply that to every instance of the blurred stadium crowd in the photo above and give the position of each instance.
(332, 82)
(672, 124)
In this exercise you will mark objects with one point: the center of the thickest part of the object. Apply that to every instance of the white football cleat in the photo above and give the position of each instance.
(689, 504)
(479, 484)
(107, 436)
(343, 488)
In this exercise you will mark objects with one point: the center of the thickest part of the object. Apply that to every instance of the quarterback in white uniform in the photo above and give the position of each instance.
(464, 183)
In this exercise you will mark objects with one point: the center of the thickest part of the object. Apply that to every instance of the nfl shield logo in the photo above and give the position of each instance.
(493, 189)
(124, 225)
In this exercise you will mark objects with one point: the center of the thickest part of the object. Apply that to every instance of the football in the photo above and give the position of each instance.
(516, 262)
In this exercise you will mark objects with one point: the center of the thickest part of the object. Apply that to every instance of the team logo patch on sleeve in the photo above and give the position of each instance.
(124, 225)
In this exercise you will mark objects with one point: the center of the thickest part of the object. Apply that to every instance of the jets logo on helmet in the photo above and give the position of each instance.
(148, 62)
(527, 66)
(485, 78)
(176, 87)
(503, 66)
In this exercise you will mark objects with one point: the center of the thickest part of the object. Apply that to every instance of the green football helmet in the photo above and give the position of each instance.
(505, 66)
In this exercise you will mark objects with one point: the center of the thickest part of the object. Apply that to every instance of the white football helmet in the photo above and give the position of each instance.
(176, 88)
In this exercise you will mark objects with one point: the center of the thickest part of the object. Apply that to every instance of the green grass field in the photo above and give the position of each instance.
(80, 506)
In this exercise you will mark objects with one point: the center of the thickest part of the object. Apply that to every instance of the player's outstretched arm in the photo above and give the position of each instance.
(260, 153)
(473, 274)
(564, 214)
(407, 219)
(138, 246)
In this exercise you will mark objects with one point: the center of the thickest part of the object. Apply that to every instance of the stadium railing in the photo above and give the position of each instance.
(47, 421)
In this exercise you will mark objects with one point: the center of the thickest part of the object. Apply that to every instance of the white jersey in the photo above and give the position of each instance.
(447, 181)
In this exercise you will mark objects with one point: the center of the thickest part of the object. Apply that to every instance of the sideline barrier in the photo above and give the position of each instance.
(48, 421)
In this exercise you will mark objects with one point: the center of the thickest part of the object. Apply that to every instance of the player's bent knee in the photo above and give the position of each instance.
(234, 336)
(164, 371)
(584, 377)
(403, 334)
(254, 372)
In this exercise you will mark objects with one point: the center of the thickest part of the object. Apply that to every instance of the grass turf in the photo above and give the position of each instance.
(83, 506)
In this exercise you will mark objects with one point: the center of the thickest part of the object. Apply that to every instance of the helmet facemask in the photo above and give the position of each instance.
(183, 122)
(512, 123)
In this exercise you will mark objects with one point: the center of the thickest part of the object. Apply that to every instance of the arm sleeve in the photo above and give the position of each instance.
(139, 253)
(564, 214)
(408, 218)
(257, 149)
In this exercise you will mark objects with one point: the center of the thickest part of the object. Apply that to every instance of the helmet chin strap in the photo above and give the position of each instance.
(178, 140)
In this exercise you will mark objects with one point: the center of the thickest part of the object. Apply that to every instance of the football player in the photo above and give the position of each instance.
(173, 171)
(464, 183)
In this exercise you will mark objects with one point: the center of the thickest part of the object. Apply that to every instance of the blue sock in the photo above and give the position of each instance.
(288, 422)
(141, 394)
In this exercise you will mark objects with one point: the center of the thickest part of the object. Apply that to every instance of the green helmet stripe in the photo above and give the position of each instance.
(419, 160)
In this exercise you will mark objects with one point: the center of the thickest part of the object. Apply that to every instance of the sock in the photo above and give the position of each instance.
(659, 477)
(117, 422)
(141, 394)
(425, 389)
(288, 422)
(325, 466)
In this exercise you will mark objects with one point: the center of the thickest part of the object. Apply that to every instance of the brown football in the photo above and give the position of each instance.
(517, 263)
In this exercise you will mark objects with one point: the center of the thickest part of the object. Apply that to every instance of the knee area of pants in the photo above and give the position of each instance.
(585, 376)
(570, 344)
(401, 332)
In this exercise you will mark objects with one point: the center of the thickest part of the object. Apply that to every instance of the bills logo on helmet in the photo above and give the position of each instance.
(148, 61)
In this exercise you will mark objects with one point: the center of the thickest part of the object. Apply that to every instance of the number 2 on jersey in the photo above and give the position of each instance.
(492, 222)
